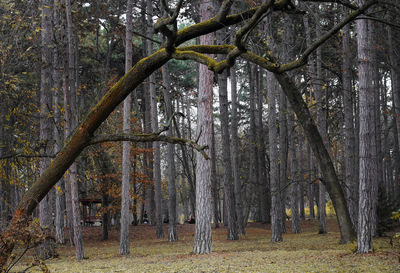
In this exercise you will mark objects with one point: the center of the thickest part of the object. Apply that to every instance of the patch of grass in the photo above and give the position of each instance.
(306, 252)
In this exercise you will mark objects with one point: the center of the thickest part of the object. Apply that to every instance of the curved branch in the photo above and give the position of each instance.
(303, 59)
(25, 156)
(341, 2)
(150, 138)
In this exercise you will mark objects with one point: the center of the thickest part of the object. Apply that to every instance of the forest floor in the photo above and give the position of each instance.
(305, 252)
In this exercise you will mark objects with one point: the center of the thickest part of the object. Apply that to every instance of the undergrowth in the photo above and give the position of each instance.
(305, 252)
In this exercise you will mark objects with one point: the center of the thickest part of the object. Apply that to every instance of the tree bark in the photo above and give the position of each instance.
(261, 150)
(202, 236)
(154, 126)
(47, 248)
(124, 247)
(229, 198)
(214, 179)
(235, 155)
(276, 226)
(351, 183)
(367, 138)
(254, 178)
(60, 190)
(72, 124)
(283, 153)
(294, 176)
(172, 232)
(320, 97)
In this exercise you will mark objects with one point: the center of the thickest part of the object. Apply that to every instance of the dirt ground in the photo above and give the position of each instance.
(305, 252)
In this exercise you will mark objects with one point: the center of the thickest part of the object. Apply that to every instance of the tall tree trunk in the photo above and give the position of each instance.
(124, 247)
(394, 55)
(72, 124)
(311, 191)
(367, 137)
(276, 226)
(47, 249)
(377, 182)
(320, 97)
(261, 150)
(351, 183)
(172, 232)
(253, 160)
(301, 155)
(229, 198)
(294, 185)
(235, 154)
(154, 126)
(202, 236)
(60, 191)
(291, 135)
(283, 153)
(214, 179)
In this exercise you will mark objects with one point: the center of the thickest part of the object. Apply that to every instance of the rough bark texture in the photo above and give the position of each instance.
(229, 198)
(291, 136)
(124, 248)
(276, 230)
(235, 155)
(302, 158)
(283, 154)
(261, 153)
(375, 90)
(294, 176)
(214, 179)
(172, 232)
(351, 188)
(320, 97)
(395, 76)
(367, 138)
(47, 249)
(202, 236)
(154, 126)
(254, 178)
(395, 81)
(72, 124)
(60, 191)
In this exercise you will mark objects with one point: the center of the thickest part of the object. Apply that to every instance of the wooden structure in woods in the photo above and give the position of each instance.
(90, 209)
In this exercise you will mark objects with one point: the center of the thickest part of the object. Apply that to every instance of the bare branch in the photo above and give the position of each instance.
(341, 2)
(144, 36)
(25, 156)
(149, 138)
(197, 52)
(224, 10)
(163, 23)
(379, 20)
(303, 59)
